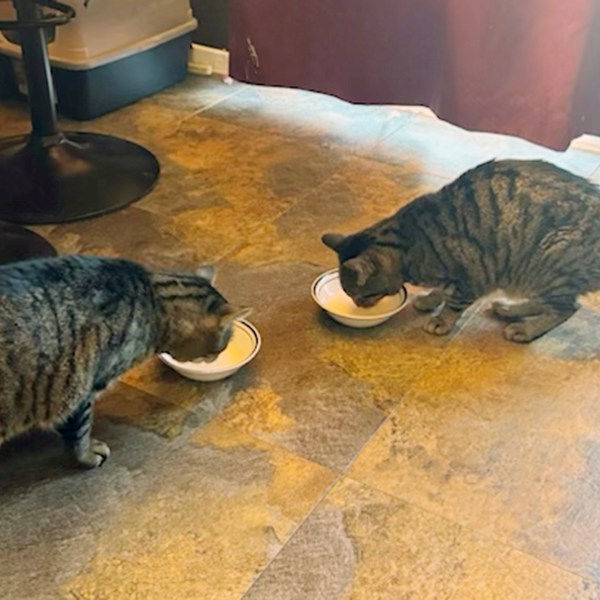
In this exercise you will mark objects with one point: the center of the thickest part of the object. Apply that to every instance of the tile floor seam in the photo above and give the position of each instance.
(154, 396)
(217, 257)
(347, 150)
(187, 431)
(303, 195)
(366, 156)
(444, 175)
(318, 503)
(409, 119)
(410, 116)
(197, 112)
(339, 476)
(343, 150)
(468, 528)
(196, 410)
(594, 169)
(277, 216)
(190, 430)
(259, 440)
(226, 255)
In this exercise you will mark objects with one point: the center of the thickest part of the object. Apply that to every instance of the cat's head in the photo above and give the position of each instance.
(198, 320)
(367, 272)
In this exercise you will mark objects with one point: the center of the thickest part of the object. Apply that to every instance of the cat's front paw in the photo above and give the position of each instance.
(94, 456)
(514, 312)
(439, 325)
(503, 311)
(522, 333)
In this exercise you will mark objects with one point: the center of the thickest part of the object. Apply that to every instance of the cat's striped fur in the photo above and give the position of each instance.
(69, 326)
(526, 227)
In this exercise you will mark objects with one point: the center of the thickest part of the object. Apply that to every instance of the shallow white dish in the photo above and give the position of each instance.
(327, 292)
(242, 348)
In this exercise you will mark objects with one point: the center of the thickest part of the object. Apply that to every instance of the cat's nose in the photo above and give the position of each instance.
(367, 302)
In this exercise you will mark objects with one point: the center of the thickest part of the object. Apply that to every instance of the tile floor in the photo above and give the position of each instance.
(341, 464)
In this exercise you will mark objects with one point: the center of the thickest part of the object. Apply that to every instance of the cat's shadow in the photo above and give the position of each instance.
(31, 459)
(36, 458)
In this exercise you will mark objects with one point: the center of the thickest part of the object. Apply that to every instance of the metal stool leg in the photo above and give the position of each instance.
(18, 243)
(51, 176)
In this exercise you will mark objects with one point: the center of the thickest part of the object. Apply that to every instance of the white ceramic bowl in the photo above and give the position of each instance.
(327, 292)
(242, 348)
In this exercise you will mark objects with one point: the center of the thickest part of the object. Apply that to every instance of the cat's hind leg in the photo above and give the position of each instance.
(76, 430)
(429, 302)
(514, 312)
(532, 327)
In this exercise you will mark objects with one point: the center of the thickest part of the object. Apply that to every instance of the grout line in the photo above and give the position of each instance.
(469, 528)
(474, 314)
(340, 476)
(408, 121)
(293, 204)
(345, 149)
(318, 503)
(202, 110)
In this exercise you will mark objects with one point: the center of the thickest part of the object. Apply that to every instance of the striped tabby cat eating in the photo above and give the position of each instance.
(70, 326)
(525, 227)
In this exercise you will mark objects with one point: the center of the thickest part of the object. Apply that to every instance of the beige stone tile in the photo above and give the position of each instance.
(225, 185)
(308, 115)
(203, 400)
(127, 405)
(291, 396)
(204, 145)
(130, 233)
(399, 358)
(214, 514)
(504, 440)
(362, 544)
(359, 193)
(197, 93)
(436, 146)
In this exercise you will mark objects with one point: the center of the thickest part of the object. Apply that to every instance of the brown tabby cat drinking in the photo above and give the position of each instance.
(525, 227)
(70, 326)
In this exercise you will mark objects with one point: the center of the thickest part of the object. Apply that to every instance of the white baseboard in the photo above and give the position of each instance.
(588, 142)
(205, 60)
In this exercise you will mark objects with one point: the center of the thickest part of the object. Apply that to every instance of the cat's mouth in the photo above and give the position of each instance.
(208, 358)
(368, 301)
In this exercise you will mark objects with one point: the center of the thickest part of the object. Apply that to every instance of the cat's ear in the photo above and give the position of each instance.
(333, 240)
(208, 272)
(234, 313)
(361, 268)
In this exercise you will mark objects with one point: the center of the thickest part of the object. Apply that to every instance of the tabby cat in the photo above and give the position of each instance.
(525, 227)
(69, 326)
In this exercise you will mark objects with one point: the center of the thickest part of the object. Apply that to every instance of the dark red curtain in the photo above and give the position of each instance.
(524, 67)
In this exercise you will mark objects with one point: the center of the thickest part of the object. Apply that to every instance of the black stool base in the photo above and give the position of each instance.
(71, 176)
(18, 243)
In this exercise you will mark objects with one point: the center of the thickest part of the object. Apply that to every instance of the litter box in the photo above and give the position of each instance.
(111, 54)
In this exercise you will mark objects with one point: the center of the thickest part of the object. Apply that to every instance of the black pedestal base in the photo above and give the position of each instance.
(18, 243)
(71, 176)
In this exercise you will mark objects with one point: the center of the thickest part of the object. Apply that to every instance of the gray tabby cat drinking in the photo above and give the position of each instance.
(70, 326)
(525, 227)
